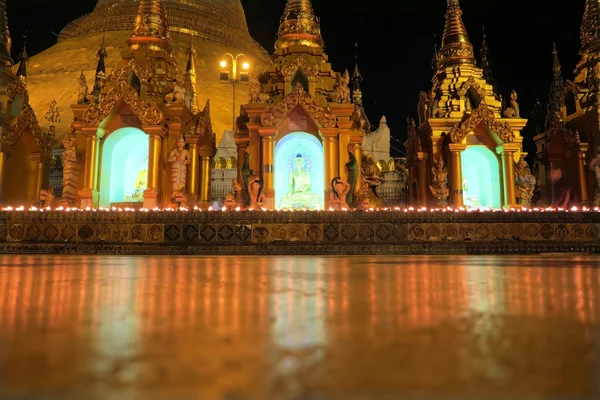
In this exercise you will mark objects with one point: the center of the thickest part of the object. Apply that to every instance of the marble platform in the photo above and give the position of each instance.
(378, 232)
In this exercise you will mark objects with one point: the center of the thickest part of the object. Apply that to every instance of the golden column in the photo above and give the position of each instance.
(423, 195)
(507, 152)
(330, 147)
(206, 154)
(456, 190)
(192, 179)
(584, 195)
(267, 139)
(155, 162)
(89, 192)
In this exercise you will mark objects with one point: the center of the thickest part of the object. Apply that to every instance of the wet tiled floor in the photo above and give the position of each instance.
(236, 328)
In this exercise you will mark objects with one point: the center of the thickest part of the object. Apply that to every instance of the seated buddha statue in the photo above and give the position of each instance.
(300, 195)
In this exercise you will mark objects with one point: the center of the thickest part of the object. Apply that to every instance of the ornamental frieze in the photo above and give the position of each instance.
(323, 114)
(482, 113)
(299, 63)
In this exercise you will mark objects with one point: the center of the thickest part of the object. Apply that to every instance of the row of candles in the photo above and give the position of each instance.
(238, 209)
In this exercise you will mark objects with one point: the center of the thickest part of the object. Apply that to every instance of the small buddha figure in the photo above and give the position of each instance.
(179, 158)
(339, 192)
(257, 198)
(299, 194)
(82, 96)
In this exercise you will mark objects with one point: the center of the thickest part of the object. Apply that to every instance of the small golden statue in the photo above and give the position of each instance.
(439, 186)
(82, 96)
(47, 197)
(513, 111)
(339, 192)
(362, 198)
(179, 158)
(342, 91)
(257, 198)
(525, 183)
(231, 200)
(256, 95)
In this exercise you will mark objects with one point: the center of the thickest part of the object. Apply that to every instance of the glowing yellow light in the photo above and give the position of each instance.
(245, 65)
(223, 63)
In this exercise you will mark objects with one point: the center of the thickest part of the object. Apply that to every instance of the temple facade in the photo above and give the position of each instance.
(302, 129)
(464, 147)
(568, 138)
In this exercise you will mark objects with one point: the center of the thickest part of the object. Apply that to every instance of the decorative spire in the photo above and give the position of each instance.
(100, 77)
(191, 98)
(556, 67)
(590, 27)
(150, 26)
(484, 52)
(356, 78)
(5, 40)
(299, 26)
(435, 59)
(23, 57)
(456, 47)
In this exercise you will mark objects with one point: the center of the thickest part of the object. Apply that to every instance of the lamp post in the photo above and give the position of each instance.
(229, 74)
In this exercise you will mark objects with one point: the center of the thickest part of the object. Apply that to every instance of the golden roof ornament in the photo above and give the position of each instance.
(5, 40)
(150, 26)
(590, 27)
(556, 67)
(299, 26)
(23, 57)
(456, 46)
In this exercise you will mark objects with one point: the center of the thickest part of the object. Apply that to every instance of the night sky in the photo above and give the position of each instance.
(395, 41)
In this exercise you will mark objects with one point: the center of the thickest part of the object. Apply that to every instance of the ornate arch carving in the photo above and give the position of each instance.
(299, 62)
(471, 83)
(481, 113)
(149, 112)
(323, 114)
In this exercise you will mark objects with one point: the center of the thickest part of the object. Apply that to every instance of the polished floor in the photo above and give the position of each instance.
(237, 328)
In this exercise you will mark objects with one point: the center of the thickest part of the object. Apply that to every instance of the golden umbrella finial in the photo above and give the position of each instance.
(151, 26)
(299, 26)
(590, 27)
(456, 46)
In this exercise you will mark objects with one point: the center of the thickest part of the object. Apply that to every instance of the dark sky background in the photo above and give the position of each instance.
(395, 38)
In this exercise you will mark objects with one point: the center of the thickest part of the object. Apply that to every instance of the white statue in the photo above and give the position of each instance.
(179, 158)
(377, 143)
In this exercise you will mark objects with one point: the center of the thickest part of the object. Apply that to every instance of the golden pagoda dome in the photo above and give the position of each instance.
(299, 25)
(218, 27)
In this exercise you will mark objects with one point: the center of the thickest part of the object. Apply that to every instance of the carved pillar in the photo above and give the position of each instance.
(89, 193)
(155, 162)
(584, 196)
(206, 154)
(267, 136)
(507, 153)
(331, 159)
(456, 190)
(423, 192)
(193, 171)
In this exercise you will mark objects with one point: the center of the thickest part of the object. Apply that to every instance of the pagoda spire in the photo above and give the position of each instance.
(100, 76)
(151, 27)
(356, 78)
(556, 67)
(590, 27)
(190, 76)
(456, 46)
(5, 40)
(299, 25)
(23, 57)
(435, 58)
(484, 53)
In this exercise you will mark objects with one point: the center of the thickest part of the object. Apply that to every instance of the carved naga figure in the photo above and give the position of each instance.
(371, 180)
(352, 171)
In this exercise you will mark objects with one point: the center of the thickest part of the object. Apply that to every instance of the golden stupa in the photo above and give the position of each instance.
(217, 26)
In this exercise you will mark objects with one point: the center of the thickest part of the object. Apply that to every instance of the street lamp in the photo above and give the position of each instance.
(229, 74)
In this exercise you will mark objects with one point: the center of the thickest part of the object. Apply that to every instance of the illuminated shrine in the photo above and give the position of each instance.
(301, 123)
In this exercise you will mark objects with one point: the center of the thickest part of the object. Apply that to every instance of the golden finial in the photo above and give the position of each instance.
(456, 46)
(190, 74)
(299, 26)
(590, 27)
(556, 67)
(5, 40)
(23, 57)
(150, 26)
